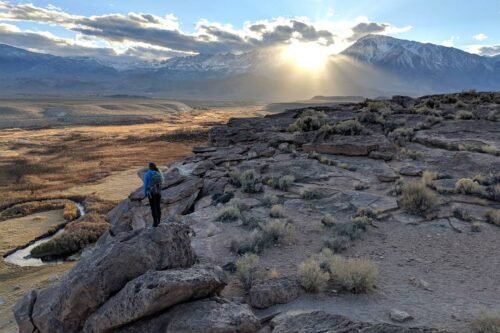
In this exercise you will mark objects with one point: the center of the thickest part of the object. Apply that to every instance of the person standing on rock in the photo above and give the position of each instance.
(153, 184)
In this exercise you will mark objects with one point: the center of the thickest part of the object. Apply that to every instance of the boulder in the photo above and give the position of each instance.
(22, 312)
(400, 316)
(268, 293)
(64, 306)
(212, 317)
(320, 321)
(154, 292)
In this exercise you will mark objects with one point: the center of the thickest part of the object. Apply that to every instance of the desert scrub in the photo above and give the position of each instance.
(370, 117)
(467, 186)
(346, 166)
(353, 275)
(270, 200)
(493, 116)
(229, 214)
(460, 104)
(462, 214)
(311, 277)
(282, 183)
(428, 176)
(359, 186)
(76, 236)
(250, 182)
(401, 135)
(348, 127)
(464, 115)
(425, 110)
(308, 120)
(493, 216)
(277, 211)
(413, 154)
(235, 178)
(71, 211)
(418, 199)
(487, 322)
(488, 149)
(247, 269)
(337, 243)
(475, 227)
(328, 220)
(312, 194)
(275, 232)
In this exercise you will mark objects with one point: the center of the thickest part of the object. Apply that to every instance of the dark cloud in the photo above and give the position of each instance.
(366, 28)
(46, 43)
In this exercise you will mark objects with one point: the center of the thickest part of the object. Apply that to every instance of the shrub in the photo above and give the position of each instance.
(464, 115)
(460, 105)
(312, 194)
(401, 135)
(493, 116)
(250, 182)
(229, 214)
(235, 178)
(475, 227)
(309, 120)
(275, 232)
(370, 117)
(449, 99)
(488, 149)
(325, 160)
(311, 277)
(487, 322)
(250, 243)
(277, 211)
(348, 127)
(413, 154)
(282, 183)
(337, 243)
(418, 199)
(429, 176)
(270, 200)
(352, 229)
(359, 186)
(71, 211)
(493, 216)
(76, 237)
(462, 214)
(353, 275)
(328, 220)
(467, 186)
(247, 269)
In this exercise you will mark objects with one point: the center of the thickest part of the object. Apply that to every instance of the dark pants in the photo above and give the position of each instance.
(154, 202)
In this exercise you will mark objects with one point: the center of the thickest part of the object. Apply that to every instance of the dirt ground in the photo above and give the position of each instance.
(99, 161)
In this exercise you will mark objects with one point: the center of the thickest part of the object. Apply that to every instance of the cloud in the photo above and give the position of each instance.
(480, 37)
(149, 36)
(450, 42)
(365, 28)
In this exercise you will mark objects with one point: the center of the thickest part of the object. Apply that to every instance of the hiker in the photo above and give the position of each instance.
(153, 183)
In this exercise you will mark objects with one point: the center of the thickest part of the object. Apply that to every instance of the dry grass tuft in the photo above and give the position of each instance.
(487, 322)
(71, 211)
(277, 211)
(312, 278)
(247, 269)
(353, 275)
(418, 199)
(229, 214)
(493, 216)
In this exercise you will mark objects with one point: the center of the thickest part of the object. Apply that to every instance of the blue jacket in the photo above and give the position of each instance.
(147, 181)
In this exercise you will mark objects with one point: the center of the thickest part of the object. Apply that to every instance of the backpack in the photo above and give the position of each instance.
(156, 184)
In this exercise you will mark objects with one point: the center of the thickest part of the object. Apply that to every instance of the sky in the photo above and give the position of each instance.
(158, 30)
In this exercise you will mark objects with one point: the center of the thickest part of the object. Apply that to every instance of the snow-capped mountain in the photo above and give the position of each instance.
(405, 54)
(404, 67)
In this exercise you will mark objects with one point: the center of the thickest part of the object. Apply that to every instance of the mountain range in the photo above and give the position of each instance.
(374, 65)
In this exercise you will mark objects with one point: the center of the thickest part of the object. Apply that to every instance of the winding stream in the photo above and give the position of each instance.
(22, 257)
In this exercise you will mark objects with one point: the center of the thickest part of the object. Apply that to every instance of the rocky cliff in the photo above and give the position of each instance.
(397, 182)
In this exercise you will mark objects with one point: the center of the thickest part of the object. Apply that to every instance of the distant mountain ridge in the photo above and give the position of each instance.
(404, 67)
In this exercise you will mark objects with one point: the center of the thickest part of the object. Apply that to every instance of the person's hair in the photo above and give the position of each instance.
(153, 166)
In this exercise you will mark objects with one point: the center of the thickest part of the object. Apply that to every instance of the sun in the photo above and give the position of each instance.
(309, 56)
